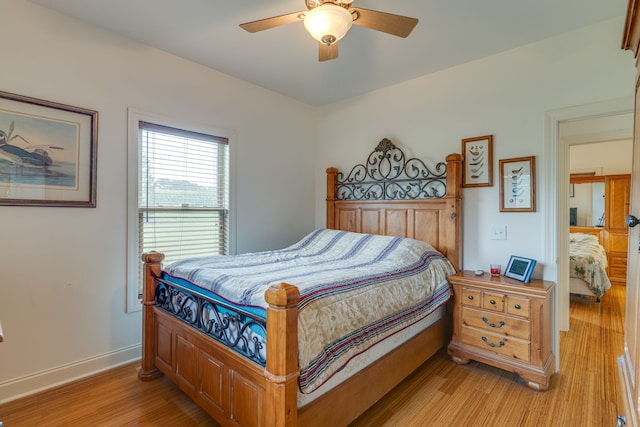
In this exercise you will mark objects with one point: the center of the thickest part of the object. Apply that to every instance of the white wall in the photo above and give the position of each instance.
(63, 270)
(605, 158)
(505, 95)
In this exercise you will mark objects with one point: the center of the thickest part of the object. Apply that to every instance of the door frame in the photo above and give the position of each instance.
(556, 214)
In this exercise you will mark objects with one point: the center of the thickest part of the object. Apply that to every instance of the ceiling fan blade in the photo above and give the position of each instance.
(389, 23)
(327, 53)
(276, 21)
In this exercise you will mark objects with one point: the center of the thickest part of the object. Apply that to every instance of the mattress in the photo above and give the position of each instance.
(356, 291)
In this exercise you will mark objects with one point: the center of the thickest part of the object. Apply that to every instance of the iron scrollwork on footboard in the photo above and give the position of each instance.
(237, 329)
(387, 176)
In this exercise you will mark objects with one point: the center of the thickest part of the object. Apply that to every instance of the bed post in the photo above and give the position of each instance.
(332, 176)
(453, 220)
(282, 370)
(152, 269)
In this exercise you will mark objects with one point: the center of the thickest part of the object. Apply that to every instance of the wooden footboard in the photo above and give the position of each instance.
(238, 392)
(232, 389)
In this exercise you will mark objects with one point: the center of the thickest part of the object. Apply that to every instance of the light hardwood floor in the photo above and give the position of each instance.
(585, 392)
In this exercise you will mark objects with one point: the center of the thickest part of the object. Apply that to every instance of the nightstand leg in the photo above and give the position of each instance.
(537, 386)
(459, 360)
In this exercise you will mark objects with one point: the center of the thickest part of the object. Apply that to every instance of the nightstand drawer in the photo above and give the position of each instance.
(471, 297)
(496, 323)
(505, 346)
(517, 306)
(493, 302)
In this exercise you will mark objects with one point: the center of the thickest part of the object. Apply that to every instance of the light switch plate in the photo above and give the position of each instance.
(499, 232)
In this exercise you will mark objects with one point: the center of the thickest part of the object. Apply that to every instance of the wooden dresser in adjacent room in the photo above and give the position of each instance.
(617, 195)
(503, 323)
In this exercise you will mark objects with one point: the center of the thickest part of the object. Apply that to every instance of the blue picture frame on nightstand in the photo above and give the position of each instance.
(520, 268)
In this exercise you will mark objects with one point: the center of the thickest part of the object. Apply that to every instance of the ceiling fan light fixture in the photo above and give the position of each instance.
(328, 23)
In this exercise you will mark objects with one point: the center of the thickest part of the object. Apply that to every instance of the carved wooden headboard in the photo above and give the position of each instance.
(389, 195)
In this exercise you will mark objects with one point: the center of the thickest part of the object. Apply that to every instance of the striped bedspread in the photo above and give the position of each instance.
(588, 261)
(355, 290)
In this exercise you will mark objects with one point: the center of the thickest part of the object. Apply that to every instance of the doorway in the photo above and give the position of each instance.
(556, 211)
(600, 161)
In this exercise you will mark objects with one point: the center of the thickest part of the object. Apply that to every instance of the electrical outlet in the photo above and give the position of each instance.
(499, 232)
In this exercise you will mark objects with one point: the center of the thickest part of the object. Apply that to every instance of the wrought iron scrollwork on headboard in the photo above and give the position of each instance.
(387, 176)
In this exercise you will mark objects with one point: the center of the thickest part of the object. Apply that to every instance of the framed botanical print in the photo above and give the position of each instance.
(518, 184)
(478, 161)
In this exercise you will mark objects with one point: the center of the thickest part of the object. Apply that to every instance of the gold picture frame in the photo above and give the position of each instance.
(478, 161)
(518, 184)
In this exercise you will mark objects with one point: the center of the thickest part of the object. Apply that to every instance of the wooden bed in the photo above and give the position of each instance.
(238, 392)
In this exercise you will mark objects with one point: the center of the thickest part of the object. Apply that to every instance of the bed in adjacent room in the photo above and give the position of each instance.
(587, 266)
(279, 338)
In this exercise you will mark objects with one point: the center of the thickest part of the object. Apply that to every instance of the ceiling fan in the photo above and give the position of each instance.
(329, 20)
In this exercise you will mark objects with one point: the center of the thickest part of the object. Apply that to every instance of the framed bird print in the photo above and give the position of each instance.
(47, 153)
(518, 184)
(478, 161)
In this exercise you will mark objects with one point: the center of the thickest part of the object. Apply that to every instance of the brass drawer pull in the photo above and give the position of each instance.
(490, 344)
(493, 325)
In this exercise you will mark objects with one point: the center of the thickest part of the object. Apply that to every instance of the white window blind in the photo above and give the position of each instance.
(183, 197)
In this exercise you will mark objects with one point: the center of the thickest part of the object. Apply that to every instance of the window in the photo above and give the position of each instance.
(182, 194)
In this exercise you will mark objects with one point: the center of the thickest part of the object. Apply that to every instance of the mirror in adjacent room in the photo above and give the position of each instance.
(586, 202)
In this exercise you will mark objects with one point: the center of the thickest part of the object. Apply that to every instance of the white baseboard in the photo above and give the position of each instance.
(43, 380)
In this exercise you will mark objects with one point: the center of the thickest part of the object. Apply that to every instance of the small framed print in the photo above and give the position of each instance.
(478, 161)
(520, 268)
(518, 184)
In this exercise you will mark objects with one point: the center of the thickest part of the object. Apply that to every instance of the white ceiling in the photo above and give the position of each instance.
(285, 59)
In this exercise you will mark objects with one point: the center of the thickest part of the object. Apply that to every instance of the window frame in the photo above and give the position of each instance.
(134, 117)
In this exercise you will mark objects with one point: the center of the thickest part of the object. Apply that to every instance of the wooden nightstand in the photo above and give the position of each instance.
(503, 323)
